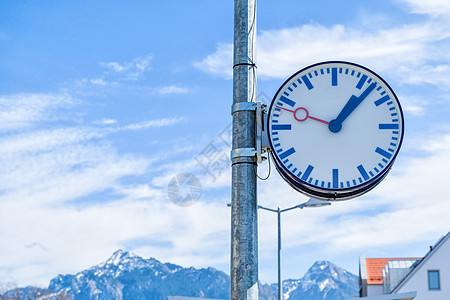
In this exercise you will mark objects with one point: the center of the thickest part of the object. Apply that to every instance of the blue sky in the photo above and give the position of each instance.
(102, 103)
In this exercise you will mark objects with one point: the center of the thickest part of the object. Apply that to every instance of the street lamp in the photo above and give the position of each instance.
(310, 203)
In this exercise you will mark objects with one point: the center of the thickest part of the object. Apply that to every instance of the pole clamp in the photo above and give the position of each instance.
(241, 106)
(243, 152)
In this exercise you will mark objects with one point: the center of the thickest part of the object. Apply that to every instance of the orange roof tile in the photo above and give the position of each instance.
(374, 268)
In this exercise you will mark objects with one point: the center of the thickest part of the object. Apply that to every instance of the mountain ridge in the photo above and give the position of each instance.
(126, 275)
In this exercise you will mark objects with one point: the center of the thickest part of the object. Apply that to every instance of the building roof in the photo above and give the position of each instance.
(432, 251)
(374, 268)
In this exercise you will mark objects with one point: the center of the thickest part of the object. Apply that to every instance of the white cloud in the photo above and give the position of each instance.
(129, 70)
(414, 105)
(61, 165)
(98, 230)
(113, 66)
(40, 141)
(23, 110)
(220, 62)
(41, 203)
(106, 121)
(153, 123)
(438, 74)
(413, 53)
(60, 189)
(64, 164)
(173, 89)
(98, 81)
(117, 76)
(430, 7)
(282, 52)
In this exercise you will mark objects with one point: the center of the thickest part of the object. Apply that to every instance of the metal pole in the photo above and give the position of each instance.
(280, 284)
(310, 203)
(244, 238)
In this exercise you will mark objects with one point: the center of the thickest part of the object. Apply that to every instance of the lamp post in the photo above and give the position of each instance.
(310, 203)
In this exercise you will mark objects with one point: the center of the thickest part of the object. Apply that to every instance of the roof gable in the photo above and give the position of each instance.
(432, 251)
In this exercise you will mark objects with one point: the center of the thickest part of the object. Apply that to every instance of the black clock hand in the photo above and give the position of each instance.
(336, 124)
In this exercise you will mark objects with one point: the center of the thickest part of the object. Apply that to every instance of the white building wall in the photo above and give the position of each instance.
(439, 260)
(374, 289)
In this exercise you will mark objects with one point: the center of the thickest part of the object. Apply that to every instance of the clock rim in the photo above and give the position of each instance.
(333, 195)
(323, 192)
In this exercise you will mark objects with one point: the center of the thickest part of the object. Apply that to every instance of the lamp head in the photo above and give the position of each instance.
(315, 203)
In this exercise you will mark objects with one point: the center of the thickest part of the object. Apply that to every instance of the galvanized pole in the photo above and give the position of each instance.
(244, 238)
(280, 283)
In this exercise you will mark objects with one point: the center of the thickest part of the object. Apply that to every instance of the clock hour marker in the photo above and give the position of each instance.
(287, 153)
(361, 82)
(334, 78)
(307, 82)
(363, 172)
(383, 152)
(335, 178)
(287, 101)
(388, 126)
(281, 127)
(307, 173)
(382, 100)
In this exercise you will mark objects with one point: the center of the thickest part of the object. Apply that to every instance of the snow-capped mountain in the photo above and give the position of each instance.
(323, 281)
(128, 276)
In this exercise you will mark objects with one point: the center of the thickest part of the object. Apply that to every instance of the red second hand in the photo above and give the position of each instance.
(307, 115)
(319, 120)
(285, 109)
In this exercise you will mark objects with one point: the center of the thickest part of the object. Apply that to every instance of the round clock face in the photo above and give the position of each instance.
(335, 129)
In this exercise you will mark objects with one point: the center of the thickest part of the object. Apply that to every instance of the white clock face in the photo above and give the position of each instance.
(335, 129)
